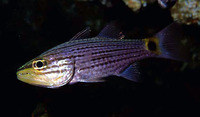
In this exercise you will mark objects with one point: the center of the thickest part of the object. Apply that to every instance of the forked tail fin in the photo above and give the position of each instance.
(170, 42)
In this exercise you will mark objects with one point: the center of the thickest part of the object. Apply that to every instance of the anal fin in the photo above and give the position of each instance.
(132, 73)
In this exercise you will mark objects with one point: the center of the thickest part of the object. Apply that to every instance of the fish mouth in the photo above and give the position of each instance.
(31, 78)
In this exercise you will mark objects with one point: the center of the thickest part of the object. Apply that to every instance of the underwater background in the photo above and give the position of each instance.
(30, 27)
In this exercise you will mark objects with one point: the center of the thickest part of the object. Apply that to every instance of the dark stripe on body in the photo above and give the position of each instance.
(80, 48)
(89, 43)
(99, 56)
(118, 58)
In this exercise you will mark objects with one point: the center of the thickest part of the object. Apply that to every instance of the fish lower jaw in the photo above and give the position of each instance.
(25, 77)
(39, 83)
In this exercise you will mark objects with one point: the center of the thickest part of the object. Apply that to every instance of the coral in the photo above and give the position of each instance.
(135, 5)
(186, 12)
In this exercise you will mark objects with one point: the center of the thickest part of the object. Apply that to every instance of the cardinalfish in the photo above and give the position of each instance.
(84, 59)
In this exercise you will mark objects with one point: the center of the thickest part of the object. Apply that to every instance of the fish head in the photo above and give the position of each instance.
(47, 72)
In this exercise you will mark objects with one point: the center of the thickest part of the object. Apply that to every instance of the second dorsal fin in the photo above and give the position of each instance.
(82, 34)
(112, 30)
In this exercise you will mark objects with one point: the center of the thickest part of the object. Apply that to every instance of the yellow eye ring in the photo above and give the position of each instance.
(39, 64)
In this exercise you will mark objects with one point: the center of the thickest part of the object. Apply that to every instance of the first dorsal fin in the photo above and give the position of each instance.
(82, 34)
(112, 30)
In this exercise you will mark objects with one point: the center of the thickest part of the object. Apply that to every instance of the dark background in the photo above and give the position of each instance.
(28, 28)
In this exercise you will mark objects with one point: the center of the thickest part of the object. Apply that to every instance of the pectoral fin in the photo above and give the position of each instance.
(131, 73)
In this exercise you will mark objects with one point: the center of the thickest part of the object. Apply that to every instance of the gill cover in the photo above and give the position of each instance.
(65, 72)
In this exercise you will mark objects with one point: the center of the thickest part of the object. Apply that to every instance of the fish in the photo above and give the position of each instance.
(92, 59)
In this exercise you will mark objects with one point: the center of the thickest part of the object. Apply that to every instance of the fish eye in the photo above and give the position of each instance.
(39, 64)
(152, 46)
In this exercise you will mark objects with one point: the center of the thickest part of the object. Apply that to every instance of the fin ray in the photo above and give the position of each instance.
(82, 34)
(112, 30)
(170, 43)
(132, 73)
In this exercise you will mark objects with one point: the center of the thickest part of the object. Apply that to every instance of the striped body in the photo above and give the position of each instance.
(95, 58)
(84, 59)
